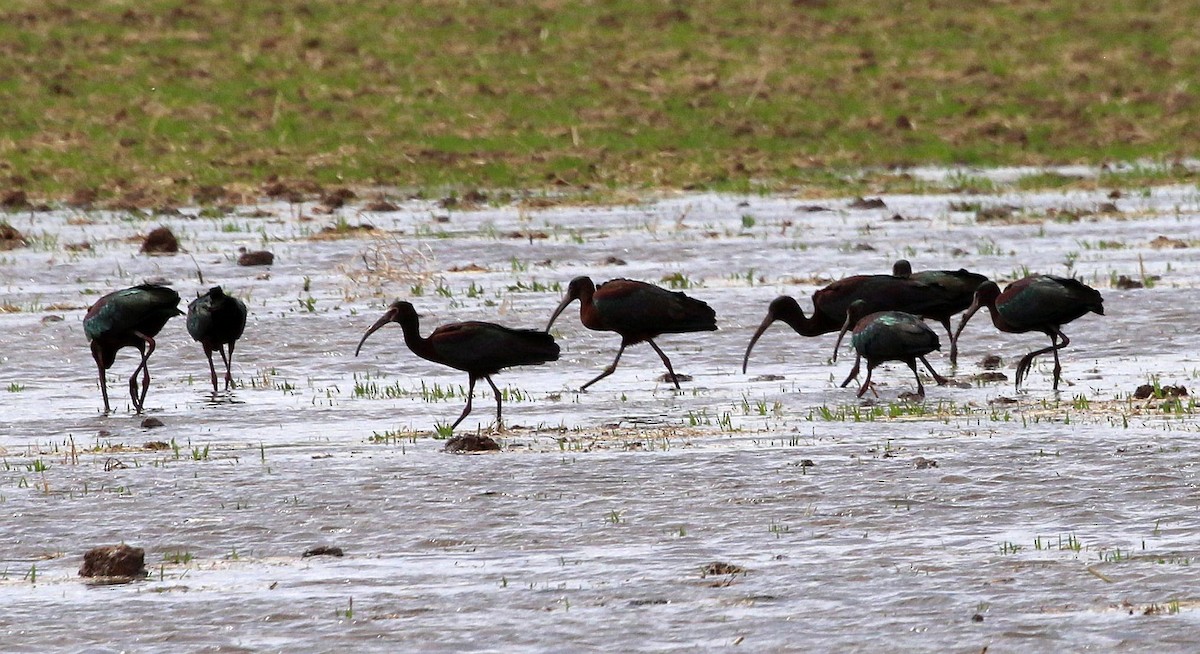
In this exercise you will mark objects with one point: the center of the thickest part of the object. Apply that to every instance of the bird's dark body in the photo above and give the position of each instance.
(1038, 303)
(893, 336)
(216, 321)
(888, 336)
(480, 349)
(130, 317)
(1035, 303)
(638, 312)
(952, 292)
(216, 318)
(830, 304)
(484, 348)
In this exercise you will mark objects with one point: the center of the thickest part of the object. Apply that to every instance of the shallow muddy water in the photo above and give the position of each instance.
(980, 517)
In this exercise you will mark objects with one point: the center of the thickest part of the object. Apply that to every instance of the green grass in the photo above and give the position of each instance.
(160, 100)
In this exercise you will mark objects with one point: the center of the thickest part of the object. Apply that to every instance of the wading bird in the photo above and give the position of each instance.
(216, 320)
(1038, 303)
(638, 312)
(130, 317)
(956, 290)
(879, 292)
(480, 349)
(887, 336)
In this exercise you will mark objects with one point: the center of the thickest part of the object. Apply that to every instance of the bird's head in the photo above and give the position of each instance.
(399, 312)
(854, 313)
(580, 288)
(902, 268)
(784, 308)
(985, 296)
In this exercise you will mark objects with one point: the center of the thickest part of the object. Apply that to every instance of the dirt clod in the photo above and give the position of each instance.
(114, 561)
(323, 550)
(922, 463)
(471, 443)
(867, 203)
(156, 445)
(381, 206)
(666, 378)
(14, 199)
(11, 238)
(1164, 243)
(991, 362)
(718, 568)
(1146, 391)
(256, 258)
(160, 240)
(1124, 282)
(151, 423)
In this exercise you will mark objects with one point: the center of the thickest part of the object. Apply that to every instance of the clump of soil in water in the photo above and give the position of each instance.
(11, 238)
(114, 561)
(323, 550)
(160, 240)
(469, 443)
(718, 568)
(256, 258)
(1147, 391)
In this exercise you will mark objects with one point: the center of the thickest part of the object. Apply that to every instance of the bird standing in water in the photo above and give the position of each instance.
(888, 336)
(480, 349)
(638, 312)
(1038, 303)
(130, 317)
(216, 320)
(955, 288)
(879, 292)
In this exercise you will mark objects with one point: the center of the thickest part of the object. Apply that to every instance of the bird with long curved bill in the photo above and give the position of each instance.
(1038, 303)
(480, 349)
(130, 317)
(879, 292)
(216, 320)
(887, 336)
(638, 312)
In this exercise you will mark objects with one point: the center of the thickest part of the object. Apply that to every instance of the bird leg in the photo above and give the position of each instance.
(228, 364)
(139, 399)
(953, 344)
(495, 391)
(212, 370)
(921, 387)
(1057, 365)
(667, 361)
(867, 382)
(1027, 361)
(853, 371)
(609, 370)
(100, 366)
(467, 409)
(941, 381)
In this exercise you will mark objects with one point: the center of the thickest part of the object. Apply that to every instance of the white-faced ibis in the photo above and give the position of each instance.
(638, 312)
(880, 292)
(216, 320)
(1038, 303)
(955, 288)
(480, 349)
(130, 317)
(887, 336)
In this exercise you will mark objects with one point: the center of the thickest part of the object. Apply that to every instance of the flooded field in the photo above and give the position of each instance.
(771, 510)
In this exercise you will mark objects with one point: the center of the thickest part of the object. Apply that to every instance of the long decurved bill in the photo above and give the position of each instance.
(845, 328)
(390, 316)
(754, 339)
(561, 307)
(975, 306)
